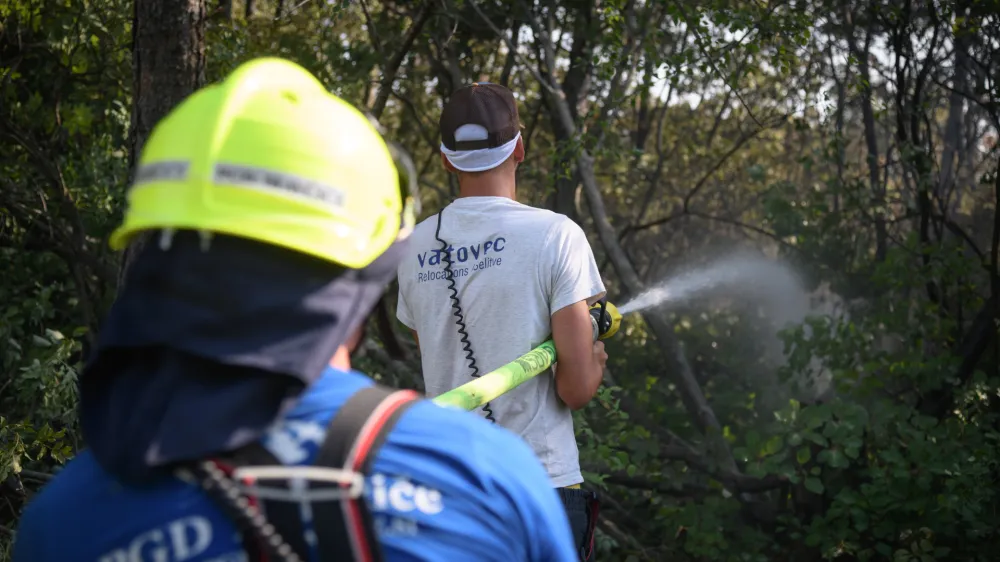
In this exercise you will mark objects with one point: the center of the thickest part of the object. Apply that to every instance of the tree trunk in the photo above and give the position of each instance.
(389, 70)
(953, 133)
(841, 138)
(871, 135)
(563, 199)
(168, 64)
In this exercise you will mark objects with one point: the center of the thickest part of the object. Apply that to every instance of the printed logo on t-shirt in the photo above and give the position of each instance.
(182, 539)
(473, 257)
(394, 500)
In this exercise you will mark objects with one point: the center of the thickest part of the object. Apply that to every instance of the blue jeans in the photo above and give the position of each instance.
(581, 509)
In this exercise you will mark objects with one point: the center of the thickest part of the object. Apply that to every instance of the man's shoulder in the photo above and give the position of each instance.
(545, 224)
(426, 226)
(544, 218)
(60, 509)
(81, 473)
(460, 438)
(448, 442)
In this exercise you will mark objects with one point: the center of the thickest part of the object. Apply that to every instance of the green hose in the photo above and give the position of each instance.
(474, 394)
(604, 320)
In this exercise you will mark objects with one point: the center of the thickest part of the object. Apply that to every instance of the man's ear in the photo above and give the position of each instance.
(519, 151)
(447, 164)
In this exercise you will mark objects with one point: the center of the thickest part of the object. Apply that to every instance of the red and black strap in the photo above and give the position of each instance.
(344, 529)
(354, 436)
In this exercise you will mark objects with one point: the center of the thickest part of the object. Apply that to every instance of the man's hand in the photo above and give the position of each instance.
(581, 360)
(600, 356)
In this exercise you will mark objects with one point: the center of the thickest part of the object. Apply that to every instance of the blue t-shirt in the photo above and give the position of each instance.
(446, 485)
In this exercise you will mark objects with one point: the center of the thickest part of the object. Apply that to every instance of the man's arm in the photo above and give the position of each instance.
(575, 283)
(580, 368)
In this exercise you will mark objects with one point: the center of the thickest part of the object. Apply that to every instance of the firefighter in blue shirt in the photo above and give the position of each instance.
(218, 426)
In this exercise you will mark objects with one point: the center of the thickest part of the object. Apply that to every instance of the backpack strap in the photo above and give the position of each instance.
(343, 529)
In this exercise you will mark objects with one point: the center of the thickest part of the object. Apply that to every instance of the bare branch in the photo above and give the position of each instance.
(512, 48)
(392, 66)
(372, 32)
(704, 51)
(744, 138)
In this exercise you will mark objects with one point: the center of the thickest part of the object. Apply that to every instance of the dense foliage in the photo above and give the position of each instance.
(855, 139)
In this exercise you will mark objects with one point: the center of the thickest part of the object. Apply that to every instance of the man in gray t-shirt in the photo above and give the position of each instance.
(519, 275)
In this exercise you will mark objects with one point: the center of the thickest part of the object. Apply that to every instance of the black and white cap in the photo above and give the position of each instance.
(480, 127)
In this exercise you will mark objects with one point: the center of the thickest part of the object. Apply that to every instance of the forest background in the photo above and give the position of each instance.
(856, 418)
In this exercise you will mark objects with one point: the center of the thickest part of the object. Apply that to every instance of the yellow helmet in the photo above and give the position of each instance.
(270, 155)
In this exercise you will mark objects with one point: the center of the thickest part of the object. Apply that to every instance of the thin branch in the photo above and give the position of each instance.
(372, 33)
(995, 256)
(36, 475)
(744, 138)
(704, 51)
(675, 448)
(392, 66)
(662, 488)
(621, 536)
(686, 207)
(512, 47)
(425, 131)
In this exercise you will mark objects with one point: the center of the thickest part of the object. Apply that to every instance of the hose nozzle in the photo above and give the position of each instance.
(605, 319)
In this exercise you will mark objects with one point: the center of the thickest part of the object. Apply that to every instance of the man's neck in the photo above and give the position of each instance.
(341, 359)
(487, 186)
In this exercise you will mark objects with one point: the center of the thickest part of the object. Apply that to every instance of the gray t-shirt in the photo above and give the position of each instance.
(514, 266)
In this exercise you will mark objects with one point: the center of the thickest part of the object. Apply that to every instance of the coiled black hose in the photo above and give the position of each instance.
(457, 312)
(249, 519)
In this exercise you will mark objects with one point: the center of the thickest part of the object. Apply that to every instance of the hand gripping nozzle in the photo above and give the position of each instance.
(605, 319)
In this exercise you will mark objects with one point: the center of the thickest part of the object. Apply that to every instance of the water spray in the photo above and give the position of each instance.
(750, 277)
(740, 275)
(605, 319)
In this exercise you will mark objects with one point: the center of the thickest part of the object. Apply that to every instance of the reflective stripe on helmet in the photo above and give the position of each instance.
(245, 176)
(250, 176)
(175, 170)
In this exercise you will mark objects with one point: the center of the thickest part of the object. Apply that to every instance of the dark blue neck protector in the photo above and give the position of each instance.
(203, 350)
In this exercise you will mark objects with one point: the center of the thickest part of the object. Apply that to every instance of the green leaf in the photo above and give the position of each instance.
(814, 485)
(817, 438)
(773, 445)
(860, 518)
(834, 458)
(803, 455)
